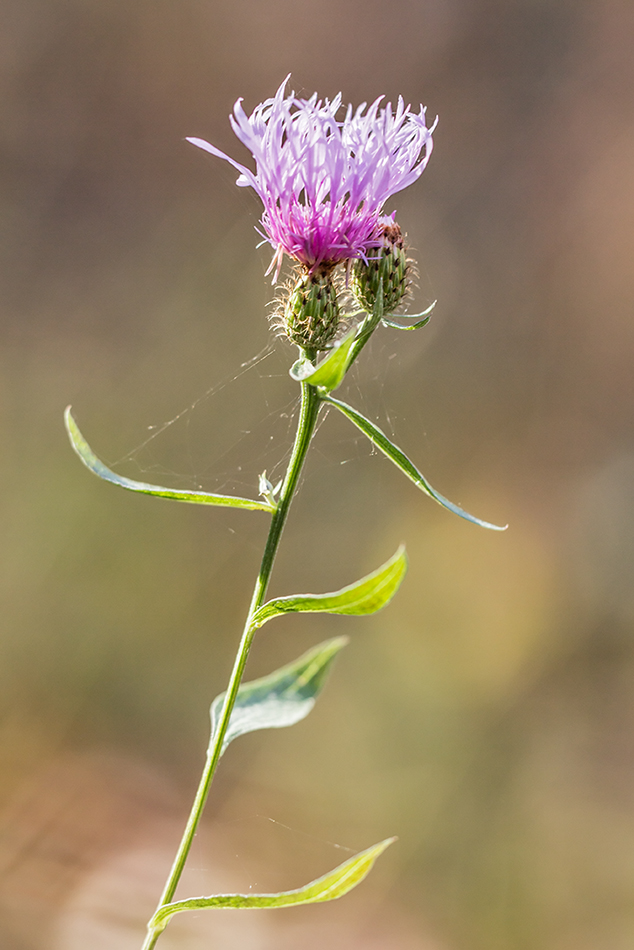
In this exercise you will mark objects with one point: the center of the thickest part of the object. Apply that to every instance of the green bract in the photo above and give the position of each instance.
(311, 313)
(385, 273)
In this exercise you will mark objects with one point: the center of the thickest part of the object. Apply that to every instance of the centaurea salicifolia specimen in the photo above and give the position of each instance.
(323, 180)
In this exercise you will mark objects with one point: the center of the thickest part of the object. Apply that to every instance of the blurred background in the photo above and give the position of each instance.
(487, 716)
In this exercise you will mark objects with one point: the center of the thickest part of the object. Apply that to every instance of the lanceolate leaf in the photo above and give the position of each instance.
(426, 314)
(365, 597)
(326, 888)
(396, 455)
(282, 698)
(330, 372)
(91, 461)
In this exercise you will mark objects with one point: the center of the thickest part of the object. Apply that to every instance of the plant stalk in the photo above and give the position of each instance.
(309, 410)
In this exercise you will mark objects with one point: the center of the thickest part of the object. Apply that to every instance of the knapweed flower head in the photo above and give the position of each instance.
(323, 180)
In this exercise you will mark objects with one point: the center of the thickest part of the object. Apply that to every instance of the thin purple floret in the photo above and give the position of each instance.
(323, 181)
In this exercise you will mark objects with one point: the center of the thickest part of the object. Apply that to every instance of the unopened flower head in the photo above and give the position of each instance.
(386, 270)
(310, 314)
(323, 180)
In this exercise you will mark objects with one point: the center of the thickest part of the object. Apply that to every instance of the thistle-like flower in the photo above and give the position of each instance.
(323, 181)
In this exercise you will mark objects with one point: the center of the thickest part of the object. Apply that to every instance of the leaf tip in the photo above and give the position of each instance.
(336, 644)
(72, 429)
(300, 369)
(494, 527)
(376, 850)
(401, 560)
(383, 845)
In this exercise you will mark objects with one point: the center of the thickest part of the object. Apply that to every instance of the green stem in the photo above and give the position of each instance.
(309, 411)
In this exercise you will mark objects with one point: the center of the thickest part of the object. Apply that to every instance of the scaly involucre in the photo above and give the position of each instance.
(323, 181)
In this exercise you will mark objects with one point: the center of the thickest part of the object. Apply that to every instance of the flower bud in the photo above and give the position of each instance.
(386, 262)
(311, 313)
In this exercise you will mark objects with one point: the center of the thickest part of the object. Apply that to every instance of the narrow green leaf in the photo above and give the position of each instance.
(330, 372)
(91, 461)
(327, 888)
(282, 698)
(396, 455)
(366, 596)
(426, 314)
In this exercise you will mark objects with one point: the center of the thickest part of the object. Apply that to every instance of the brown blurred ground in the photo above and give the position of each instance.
(487, 716)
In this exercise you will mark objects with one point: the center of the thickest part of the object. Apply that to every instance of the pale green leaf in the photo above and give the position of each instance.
(327, 888)
(282, 698)
(426, 314)
(366, 596)
(396, 455)
(91, 461)
(330, 372)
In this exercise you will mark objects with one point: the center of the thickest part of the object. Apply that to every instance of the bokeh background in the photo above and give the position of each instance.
(487, 716)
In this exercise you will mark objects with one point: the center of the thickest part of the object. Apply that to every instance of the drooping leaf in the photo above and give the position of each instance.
(327, 888)
(426, 314)
(282, 698)
(95, 465)
(396, 455)
(366, 596)
(330, 372)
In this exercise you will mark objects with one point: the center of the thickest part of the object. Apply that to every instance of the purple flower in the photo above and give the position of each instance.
(323, 181)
